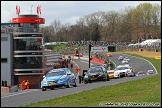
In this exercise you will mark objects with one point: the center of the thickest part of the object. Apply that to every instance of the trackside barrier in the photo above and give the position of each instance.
(97, 60)
(4, 90)
(14, 88)
(158, 57)
(101, 62)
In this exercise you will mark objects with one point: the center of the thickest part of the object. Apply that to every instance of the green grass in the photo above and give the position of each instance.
(61, 47)
(143, 90)
(56, 47)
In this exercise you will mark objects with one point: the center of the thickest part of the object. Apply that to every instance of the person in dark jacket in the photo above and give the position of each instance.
(83, 74)
(71, 65)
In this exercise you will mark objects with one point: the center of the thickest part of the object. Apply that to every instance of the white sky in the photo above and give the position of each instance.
(65, 11)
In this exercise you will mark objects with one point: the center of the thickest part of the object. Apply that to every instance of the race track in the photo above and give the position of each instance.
(17, 99)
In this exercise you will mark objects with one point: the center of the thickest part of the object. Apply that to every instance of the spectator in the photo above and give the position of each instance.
(27, 84)
(23, 85)
(71, 65)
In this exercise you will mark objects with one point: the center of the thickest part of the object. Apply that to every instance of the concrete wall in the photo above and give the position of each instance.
(6, 53)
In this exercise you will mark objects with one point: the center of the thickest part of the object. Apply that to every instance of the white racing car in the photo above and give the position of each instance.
(124, 61)
(120, 72)
(149, 72)
(123, 70)
(126, 58)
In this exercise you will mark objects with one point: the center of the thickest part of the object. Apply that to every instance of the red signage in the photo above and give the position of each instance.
(103, 49)
(29, 20)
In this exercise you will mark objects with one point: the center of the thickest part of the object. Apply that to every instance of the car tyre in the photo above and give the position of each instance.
(119, 76)
(43, 89)
(68, 84)
(89, 81)
(126, 75)
(75, 85)
(52, 88)
(85, 81)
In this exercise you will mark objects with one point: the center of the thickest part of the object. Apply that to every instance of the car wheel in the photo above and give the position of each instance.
(85, 81)
(118, 76)
(75, 85)
(126, 75)
(68, 84)
(89, 81)
(52, 88)
(43, 89)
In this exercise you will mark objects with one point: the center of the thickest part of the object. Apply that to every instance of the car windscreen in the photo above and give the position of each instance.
(141, 72)
(55, 74)
(94, 70)
(111, 72)
(119, 68)
(125, 68)
(150, 71)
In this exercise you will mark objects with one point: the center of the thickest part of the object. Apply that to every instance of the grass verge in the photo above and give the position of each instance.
(144, 90)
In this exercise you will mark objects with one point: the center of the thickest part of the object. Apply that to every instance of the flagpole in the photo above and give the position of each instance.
(40, 10)
(31, 8)
(17, 10)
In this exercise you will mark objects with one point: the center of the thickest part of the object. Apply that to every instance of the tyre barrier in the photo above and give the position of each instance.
(4, 90)
(158, 57)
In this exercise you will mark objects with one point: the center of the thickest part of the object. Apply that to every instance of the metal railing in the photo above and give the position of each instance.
(21, 29)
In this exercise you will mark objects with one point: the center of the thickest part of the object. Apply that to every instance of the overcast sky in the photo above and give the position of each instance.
(65, 11)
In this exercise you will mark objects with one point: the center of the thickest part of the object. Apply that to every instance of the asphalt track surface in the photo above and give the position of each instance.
(17, 99)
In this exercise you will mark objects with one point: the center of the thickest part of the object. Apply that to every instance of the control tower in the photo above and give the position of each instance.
(27, 50)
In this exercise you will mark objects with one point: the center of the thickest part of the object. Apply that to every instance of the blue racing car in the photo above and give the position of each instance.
(58, 78)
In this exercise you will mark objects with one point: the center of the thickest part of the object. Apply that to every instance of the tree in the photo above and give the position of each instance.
(111, 19)
(132, 23)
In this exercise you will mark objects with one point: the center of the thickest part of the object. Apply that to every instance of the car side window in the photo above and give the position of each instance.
(104, 70)
(68, 71)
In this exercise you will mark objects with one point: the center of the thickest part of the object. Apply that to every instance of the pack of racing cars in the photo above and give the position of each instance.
(64, 77)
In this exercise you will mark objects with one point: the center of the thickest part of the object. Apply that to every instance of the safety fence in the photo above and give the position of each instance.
(97, 60)
(103, 59)
(15, 88)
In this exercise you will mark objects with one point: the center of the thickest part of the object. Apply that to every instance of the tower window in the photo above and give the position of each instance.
(3, 60)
